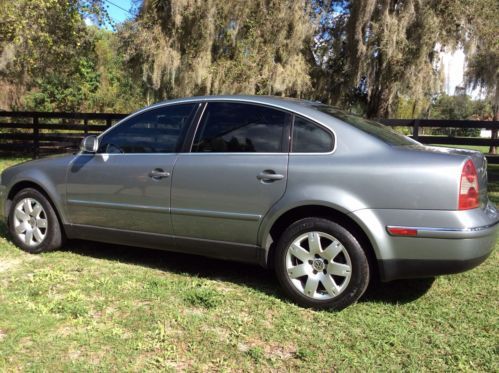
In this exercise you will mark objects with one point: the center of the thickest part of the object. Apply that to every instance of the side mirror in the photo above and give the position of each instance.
(89, 144)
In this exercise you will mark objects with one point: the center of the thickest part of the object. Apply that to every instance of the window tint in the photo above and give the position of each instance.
(158, 130)
(236, 128)
(310, 138)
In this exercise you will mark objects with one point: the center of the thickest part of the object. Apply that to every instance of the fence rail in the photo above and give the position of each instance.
(39, 133)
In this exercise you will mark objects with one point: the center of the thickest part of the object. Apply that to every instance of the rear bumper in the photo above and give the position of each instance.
(394, 269)
(453, 233)
(446, 241)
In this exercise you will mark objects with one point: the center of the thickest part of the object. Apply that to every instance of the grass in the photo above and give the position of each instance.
(97, 307)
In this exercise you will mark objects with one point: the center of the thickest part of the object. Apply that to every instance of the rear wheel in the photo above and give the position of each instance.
(320, 264)
(33, 223)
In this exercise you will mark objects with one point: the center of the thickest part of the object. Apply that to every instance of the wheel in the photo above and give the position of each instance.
(33, 223)
(320, 264)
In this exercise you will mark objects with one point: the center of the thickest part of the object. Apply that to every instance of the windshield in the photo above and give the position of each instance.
(384, 133)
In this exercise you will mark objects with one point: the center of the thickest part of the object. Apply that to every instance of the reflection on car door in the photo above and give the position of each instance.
(126, 185)
(235, 172)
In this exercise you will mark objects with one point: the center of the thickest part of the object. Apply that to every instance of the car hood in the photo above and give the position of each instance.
(59, 159)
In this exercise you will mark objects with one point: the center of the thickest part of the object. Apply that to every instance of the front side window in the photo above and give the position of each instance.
(160, 130)
(308, 137)
(241, 128)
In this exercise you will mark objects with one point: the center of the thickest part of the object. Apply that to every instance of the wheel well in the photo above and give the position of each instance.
(16, 188)
(344, 220)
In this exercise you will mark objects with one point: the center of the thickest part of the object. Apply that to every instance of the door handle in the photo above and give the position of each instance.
(158, 173)
(269, 175)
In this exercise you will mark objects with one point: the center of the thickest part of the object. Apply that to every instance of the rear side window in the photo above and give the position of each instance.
(241, 128)
(159, 130)
(310, 138)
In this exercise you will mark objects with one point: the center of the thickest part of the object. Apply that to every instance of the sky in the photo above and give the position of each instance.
(119, 9)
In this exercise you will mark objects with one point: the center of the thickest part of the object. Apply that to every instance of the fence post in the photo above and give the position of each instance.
(415, 130)
(85, 127)
(108, 122)
(36, 137)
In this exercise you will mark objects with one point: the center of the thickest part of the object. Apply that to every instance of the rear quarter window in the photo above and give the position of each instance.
(308, 137)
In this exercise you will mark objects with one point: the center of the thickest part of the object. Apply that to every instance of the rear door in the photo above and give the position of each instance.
(236, 171)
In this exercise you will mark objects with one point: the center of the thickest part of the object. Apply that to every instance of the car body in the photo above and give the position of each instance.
(158, 180)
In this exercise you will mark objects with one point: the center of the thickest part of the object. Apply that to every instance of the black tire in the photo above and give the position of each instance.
(359, 274)
(53, 236)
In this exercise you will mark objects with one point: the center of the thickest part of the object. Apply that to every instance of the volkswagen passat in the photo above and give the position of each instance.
(327, 199)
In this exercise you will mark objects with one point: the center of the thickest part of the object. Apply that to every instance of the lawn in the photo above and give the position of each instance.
(97, 307)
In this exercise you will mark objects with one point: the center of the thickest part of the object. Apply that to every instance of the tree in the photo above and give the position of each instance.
(381, 49)
(483, 65)
(212, 47)
(43, 38)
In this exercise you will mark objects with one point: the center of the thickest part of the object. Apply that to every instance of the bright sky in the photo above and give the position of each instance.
(119, 9)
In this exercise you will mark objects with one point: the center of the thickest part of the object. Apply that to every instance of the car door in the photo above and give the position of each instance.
(126, 184)
(235, 172)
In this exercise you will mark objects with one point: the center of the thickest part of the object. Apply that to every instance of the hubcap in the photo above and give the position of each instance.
(30, 221)
(318, 265)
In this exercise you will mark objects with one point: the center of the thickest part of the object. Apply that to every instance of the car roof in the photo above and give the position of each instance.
(305, 108)
(284, 102)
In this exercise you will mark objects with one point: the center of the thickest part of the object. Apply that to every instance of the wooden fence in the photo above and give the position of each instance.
(36, 133)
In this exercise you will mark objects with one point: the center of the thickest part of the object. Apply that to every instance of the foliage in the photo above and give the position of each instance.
(457, 108)
(387, 48)
(191, 47)
(483, 67)
(43, 38)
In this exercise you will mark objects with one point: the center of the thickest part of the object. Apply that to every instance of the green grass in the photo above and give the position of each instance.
(97, 307)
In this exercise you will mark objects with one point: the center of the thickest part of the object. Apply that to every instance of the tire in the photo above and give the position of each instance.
(31, 211)
(330, 275)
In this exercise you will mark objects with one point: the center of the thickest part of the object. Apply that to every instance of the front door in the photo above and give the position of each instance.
(126, 185)
(236, 171)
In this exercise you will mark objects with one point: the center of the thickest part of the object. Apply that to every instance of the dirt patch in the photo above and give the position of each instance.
(2, 335)
(8, 264)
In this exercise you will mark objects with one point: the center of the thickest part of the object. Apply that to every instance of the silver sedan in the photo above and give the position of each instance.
(327, 199)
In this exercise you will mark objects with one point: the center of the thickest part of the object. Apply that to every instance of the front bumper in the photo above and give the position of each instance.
(445, 241)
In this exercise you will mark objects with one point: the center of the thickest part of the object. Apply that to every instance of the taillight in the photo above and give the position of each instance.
(468, 188)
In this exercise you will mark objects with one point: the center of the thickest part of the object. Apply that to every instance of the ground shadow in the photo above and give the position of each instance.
(396, 292)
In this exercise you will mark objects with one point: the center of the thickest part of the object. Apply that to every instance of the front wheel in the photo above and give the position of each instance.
(33, 223)
(320, 264)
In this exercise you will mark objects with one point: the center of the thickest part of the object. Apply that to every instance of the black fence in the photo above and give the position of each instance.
(37, 133)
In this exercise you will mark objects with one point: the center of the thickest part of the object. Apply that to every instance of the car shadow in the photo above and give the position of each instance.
(396, 292)
(261, 279)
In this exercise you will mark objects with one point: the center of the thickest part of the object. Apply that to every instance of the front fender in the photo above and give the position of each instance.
(49, 175)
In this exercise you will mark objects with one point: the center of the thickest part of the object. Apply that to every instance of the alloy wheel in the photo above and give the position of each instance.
(30, 221)
(318, 265)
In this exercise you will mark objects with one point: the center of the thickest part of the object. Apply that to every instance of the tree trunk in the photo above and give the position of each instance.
(379, 103)
(495, 107)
